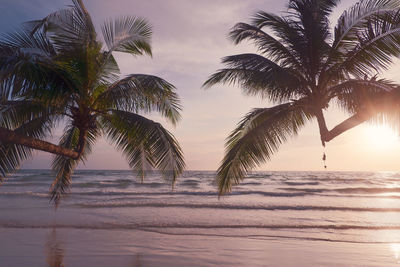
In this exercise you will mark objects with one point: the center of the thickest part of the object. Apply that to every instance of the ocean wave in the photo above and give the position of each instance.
(138, 226)
(368, 190)
(189, 193)
(124, 204)
(26, 193)
(341, 180)
(299, 193)
(351, 190)
(24, 184)
(301, 183)
(154, 194)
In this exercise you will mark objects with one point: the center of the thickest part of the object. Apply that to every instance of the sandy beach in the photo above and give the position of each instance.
(77, 247)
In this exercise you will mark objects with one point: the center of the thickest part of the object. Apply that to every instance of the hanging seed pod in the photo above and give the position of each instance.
(324, 160)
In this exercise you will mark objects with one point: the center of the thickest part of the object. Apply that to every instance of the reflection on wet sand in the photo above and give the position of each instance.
(54, 251)
(137, 262)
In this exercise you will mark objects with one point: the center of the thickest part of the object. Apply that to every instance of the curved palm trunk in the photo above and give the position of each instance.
(8, 136)
(82, 142)
(351, 122)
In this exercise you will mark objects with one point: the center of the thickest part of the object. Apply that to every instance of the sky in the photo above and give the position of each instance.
(189, 39)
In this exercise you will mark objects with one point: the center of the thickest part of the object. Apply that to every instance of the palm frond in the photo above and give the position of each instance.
(356, 18)
(259, 76)
(11, 155)
(68, 28)
(375, 47)
(285, 29)
(369, 94)
(313, 11)
(86, 23)
(288, 32)
(379, 99)
(255, 139)
(388, 109)
(109, 71)
(22, 53)
(129, 35)
(267, 44)
(14, 113)
(63, 166)
(28, 67)
(145, 143)
(312, 21)
(146, 93)
(25, 117)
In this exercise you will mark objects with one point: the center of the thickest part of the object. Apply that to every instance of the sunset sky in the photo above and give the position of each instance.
(189, 39)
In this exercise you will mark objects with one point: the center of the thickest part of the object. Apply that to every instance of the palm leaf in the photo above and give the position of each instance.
(376, 47)
(63, 167)
(146, 93)
(67, 28)
(11, 155)
(108, 71)
(258, 75)
(145, 143)
(312, 21)
(267, 44)
(256, 138)
(355, 20)
(284, 28)
(28, 68)
(355, 95)
(129, 35)
(288, 32)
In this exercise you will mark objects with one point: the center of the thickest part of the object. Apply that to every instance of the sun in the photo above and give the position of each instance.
(381, 136)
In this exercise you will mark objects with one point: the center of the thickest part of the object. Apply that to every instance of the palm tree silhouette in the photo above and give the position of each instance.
(56, 70)
(303, 68)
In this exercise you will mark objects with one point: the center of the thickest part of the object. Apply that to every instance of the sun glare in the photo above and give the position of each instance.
(396, 251)
(382, 137)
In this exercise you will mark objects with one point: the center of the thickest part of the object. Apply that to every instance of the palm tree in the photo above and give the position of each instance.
(303, 67)
(56, 70)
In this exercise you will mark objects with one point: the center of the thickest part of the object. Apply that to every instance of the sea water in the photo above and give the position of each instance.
(110, 218)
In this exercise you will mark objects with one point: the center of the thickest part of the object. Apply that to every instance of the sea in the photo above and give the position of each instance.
(111, 218)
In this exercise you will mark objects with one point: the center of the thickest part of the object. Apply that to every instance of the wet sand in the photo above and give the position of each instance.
(73, 247)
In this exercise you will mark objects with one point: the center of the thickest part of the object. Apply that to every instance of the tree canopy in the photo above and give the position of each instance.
(303, 66)
(56, 70)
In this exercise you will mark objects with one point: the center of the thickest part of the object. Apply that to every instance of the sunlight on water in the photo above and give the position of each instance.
(395, 248)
